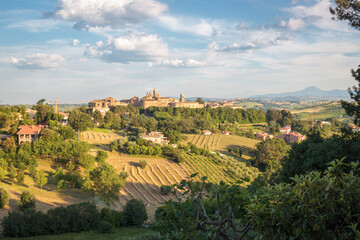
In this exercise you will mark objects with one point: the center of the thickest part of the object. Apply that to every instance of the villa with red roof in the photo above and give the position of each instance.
(285, 130)
(354, 128)
(29, 133)
(292, 137)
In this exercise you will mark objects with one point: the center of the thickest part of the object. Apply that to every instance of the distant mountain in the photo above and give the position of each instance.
(311, 92)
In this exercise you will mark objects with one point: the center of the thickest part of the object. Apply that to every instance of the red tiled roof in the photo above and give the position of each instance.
(206, 131)
(285, 128)
(30, 129)
(352, 126)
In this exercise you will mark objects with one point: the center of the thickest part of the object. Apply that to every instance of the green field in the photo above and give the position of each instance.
(125, 233)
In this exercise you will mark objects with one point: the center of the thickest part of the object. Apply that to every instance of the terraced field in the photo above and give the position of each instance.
(222, 142)
(99, 138)
(144, 184)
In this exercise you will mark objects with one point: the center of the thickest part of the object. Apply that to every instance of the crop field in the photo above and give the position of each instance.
(222, 142)
(205, 166)
(98, 137)
(144, 184)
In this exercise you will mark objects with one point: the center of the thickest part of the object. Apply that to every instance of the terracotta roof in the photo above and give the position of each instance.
(206, 131)
(153, 135)
(352, 126)
(285, 128)
(30, 129)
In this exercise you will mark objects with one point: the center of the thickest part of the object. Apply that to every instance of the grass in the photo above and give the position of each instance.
(124, 233)
(101, 130)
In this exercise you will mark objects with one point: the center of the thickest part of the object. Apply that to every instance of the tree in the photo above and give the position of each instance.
(27, 200)
(106, 183)
(4, 198)
(20, 178)
(200, 100)
(98, 119)
(40, 178)
(143, 164)
(79, 121)
(135, 213)
(269, 154)
(353, 108)
(347, 10)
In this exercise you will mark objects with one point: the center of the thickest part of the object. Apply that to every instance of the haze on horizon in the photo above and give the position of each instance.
(86, 49)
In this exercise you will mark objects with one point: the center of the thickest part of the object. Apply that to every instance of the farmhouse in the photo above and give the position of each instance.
(226, 132)
(207, 132)
(292, 137)
(156, 137)
(263, 136)
(354, 128)
(103, 105)
(285, 130)
(29, 133)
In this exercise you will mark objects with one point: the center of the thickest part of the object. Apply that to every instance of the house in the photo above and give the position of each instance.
(285, 130)
(65, 118)
(156, 137)
(354, 128)
(292, 137)
(226, 132)
(263, 136)
(207, 132)
(29, 133)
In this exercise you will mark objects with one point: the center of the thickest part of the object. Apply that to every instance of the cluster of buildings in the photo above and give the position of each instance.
(149, 100)
(287, 135)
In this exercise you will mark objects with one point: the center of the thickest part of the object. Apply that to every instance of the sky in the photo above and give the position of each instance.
(79, 50)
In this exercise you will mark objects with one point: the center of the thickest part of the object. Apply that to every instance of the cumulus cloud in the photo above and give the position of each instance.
(38, 61)
(139, 47)
(199, 27)
(293, 24)
(101, 13)
(75, 42)
(245, 47)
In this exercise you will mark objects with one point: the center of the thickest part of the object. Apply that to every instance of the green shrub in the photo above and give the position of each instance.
(124, 174)
(25, 224)
(165, 189)
(101, 156)
(105, 227)
(143, 164)
(135, 212)
(112, 216)
(4, 198)
(27, 200)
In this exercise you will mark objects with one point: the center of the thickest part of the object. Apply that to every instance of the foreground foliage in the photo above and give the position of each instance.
(315, 206)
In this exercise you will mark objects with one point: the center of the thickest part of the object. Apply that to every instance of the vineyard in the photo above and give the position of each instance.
(206, 166)
(98, 138)
(222, 142)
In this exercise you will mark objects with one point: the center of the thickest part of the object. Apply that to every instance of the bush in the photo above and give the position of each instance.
(4, 198)
(135, 213)
(143, 164)
(25, 224)
(124, 174)
(105, 227)
(112, 216)
(165, 189)
(101, 156)
(149, 236)
(27, 200)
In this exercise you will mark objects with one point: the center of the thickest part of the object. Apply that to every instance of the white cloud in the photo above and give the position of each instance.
(38, 61)
(37, 25)
(181, 63)
(114, 13)
(75, 42)
(199, 27)
(138, 47)
(293, 24)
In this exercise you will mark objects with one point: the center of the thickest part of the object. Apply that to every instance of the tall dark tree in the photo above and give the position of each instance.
(353, 108)
(347, 10)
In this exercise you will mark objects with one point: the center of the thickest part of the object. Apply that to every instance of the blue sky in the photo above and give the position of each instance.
(86, 49)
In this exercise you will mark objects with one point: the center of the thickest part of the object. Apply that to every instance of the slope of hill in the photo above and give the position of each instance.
(312, 91)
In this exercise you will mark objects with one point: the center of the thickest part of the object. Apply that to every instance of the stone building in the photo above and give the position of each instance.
(154, 99)
(292, 137)
(103, 105)
(183, 103)
(156, 137)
